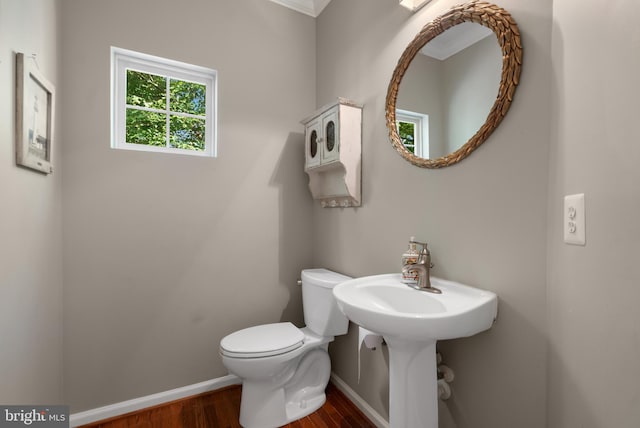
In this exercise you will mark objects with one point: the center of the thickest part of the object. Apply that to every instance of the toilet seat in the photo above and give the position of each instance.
(262, 341)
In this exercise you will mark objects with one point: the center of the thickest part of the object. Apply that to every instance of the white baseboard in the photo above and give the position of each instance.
(117, 409)
(364, 407)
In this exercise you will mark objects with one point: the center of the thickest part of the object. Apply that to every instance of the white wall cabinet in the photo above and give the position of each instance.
(333, 152)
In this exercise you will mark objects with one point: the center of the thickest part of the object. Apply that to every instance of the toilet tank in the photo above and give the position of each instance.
(321, 312)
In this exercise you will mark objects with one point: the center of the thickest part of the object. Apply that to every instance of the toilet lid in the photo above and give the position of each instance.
(262, 341)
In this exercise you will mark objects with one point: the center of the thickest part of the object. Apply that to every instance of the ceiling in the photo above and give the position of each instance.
(442, 47)
(455, 39)
(308, 7)
(314, 7)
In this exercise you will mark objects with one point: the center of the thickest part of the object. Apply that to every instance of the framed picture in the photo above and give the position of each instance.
(35, 101)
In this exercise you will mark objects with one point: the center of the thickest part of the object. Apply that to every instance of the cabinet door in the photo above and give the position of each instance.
(312, 145)
(330, 138)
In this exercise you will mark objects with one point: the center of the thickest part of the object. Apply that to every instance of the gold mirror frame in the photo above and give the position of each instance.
(508, 35)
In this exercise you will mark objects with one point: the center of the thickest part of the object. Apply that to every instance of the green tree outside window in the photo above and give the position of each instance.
(155, 102)
(407, 132)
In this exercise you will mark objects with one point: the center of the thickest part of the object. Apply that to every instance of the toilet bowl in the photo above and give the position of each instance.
(285, 369)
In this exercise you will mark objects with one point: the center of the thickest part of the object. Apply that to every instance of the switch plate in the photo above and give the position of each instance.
(574, 219)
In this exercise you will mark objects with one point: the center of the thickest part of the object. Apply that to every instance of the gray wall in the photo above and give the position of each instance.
(30, 223)
(485, 218)
(164, 254)
(147, 298)
(471, 85)
(594, 291)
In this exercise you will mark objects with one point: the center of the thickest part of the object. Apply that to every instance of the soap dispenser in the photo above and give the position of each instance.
(410, 257)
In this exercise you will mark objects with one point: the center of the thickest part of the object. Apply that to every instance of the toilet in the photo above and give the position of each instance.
(285, 369)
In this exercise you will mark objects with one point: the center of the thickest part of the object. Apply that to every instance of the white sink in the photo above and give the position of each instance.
(383, 304)
(411, 321)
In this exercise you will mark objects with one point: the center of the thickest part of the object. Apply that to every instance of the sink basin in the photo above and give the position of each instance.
(411, 321)
(383, 304)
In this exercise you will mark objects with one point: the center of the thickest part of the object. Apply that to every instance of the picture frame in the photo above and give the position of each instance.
(35, 108)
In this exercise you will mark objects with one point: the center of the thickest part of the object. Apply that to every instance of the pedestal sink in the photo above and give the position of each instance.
(411, 321)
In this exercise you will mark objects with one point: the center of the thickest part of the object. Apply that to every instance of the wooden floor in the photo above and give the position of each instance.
(220, 409)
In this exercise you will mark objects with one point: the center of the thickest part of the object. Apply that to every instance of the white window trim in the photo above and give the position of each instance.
(123, 59)
(421, 122)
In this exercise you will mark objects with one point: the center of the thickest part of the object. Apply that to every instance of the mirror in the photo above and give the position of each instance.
(457, 84)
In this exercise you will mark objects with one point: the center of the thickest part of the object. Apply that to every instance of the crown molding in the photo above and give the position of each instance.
(308, 7)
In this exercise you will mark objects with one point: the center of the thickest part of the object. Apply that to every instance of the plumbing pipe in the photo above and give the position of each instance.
(444, 390)
(447, 374)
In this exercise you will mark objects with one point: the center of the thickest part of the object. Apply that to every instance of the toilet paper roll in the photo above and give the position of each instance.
(368, 339)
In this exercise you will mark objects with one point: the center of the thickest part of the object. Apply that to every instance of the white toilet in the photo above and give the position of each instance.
(284, 369)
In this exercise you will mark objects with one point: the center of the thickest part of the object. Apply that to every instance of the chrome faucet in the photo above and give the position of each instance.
(422, 268)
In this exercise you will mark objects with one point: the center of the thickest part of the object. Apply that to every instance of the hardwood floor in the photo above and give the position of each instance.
(220, 409)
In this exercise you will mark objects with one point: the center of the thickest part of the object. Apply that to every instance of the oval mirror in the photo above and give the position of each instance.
(457, 84)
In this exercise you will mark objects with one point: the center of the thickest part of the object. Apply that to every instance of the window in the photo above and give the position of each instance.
(413, 129)
(162, 105)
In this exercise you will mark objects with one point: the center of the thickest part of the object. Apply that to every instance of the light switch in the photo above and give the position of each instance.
(574, 219)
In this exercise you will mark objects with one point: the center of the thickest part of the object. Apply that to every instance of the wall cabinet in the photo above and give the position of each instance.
(333, 148)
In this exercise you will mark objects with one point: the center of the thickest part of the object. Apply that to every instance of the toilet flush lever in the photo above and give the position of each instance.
(299, 282)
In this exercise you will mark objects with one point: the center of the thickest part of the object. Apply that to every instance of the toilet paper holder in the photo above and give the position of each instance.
(371, 340)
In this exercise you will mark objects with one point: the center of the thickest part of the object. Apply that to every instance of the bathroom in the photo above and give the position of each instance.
(122, 270)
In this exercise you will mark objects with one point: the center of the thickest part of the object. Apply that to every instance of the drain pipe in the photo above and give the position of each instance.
(445, 377)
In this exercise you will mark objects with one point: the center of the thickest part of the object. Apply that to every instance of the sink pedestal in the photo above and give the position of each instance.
(413, 383)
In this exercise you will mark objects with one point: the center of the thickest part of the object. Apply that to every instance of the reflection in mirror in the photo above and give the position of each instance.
(448, 90)
(413, 128)
(453, 84)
